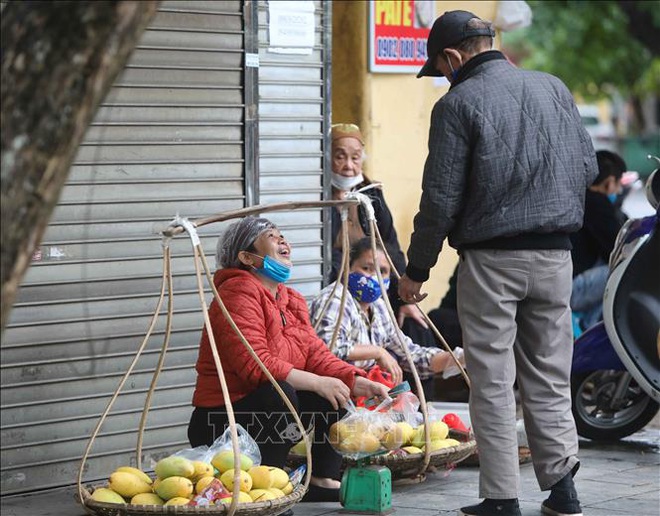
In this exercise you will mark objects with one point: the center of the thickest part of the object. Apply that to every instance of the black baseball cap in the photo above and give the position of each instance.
(449, 30)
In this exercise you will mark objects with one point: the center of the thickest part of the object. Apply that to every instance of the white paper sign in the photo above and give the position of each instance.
(291, 27)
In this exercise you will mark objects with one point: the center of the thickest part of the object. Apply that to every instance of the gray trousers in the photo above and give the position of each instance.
(516, 323)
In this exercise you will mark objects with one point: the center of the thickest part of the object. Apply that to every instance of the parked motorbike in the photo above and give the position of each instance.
(615, 380)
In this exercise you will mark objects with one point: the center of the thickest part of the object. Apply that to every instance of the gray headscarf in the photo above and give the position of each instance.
(239, 237)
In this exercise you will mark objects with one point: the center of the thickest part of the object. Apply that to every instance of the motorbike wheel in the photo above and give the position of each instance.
(595, 416)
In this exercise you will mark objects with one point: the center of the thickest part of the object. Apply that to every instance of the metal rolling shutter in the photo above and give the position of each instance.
(168, 139)
(294, 115)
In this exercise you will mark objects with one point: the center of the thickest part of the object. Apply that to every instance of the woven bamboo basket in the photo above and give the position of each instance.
(267, 508)
(408, 465)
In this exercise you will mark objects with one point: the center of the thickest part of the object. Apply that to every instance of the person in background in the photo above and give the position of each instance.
(508, 164)
(367, 335)
(347, 175)
(256, 261)
(594, 242)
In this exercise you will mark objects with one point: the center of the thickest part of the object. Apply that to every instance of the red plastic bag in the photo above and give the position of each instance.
(453, 421)
(376, 374)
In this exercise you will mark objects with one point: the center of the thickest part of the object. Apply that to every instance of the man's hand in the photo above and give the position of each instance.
(388, 363)
(413, 312)
(409, 290)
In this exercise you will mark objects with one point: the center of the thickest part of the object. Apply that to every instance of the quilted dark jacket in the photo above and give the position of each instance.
(508, 159)
(278, 330)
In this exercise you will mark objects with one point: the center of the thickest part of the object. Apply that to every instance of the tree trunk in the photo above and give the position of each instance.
(59, 59)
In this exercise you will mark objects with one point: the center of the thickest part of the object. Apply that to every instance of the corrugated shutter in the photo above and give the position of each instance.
(167, 139)
(293, 118)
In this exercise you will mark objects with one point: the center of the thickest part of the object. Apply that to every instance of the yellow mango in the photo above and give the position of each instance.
(103, 494)
(202, 469)
(261, 477)
(174, 487)
(277, 492)
(408, 431)
(288, 489)
(412, 450)
(261, 495)
(127, 484)
(279, 476)
(177, 500)
(137, 472)
(227, 479)
(393, 438)
(299, 448)
(203, 483)
(224, 460)
(242, 498)
(147, 499)
(174, 466)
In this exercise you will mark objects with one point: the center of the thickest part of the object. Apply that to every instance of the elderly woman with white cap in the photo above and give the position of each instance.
(255, 261)
(347, 175)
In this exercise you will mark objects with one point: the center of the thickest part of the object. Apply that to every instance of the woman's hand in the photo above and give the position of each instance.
(443, 360)
(388, 363)
(333, 390)
(365, 387)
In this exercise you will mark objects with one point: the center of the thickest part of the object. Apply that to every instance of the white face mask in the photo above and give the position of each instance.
(346, 183)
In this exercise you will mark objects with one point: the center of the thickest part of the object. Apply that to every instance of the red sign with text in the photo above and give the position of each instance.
(398, 30)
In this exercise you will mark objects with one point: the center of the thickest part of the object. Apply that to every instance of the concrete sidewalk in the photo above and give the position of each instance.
(620, 479)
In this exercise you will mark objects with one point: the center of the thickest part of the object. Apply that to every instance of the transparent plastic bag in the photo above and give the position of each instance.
(363, 432)
(200, 453)
(405, 407)
(246, 444)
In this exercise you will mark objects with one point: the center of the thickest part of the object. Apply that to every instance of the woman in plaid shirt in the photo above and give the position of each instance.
(368, 335)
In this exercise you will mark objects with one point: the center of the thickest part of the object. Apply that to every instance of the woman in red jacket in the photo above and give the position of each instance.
(255, 260)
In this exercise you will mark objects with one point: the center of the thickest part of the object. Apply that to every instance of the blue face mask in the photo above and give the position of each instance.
(612, 197)
(454, 73)
(273, 269)
(365, 289)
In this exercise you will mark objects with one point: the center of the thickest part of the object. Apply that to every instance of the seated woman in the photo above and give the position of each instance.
(367, 335)
(256, 261)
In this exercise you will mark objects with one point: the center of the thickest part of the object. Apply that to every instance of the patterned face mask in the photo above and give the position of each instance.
(365, 289)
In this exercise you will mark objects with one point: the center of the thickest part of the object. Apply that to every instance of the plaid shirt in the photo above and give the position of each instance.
(357, 328)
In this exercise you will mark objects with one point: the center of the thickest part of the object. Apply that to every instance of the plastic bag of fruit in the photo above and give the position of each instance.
(362, 432)
(222, 448)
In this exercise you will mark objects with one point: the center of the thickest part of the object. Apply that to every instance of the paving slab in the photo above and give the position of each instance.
(619, 479)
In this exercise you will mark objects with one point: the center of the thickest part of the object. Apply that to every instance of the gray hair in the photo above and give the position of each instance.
(476, 44)
(239, 237)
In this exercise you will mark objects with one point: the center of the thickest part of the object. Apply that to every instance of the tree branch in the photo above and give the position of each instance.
(59, 59)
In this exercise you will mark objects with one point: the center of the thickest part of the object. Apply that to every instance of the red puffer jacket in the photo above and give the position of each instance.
(277, 328)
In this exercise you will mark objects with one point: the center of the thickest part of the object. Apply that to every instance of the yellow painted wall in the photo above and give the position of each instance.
(393, 111)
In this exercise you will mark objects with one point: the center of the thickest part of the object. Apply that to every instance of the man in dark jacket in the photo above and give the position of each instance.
(593, 244)
(508, 165)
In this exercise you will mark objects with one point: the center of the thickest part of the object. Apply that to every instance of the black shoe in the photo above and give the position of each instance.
(493, 507)
(563, 499)
(320, 494)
